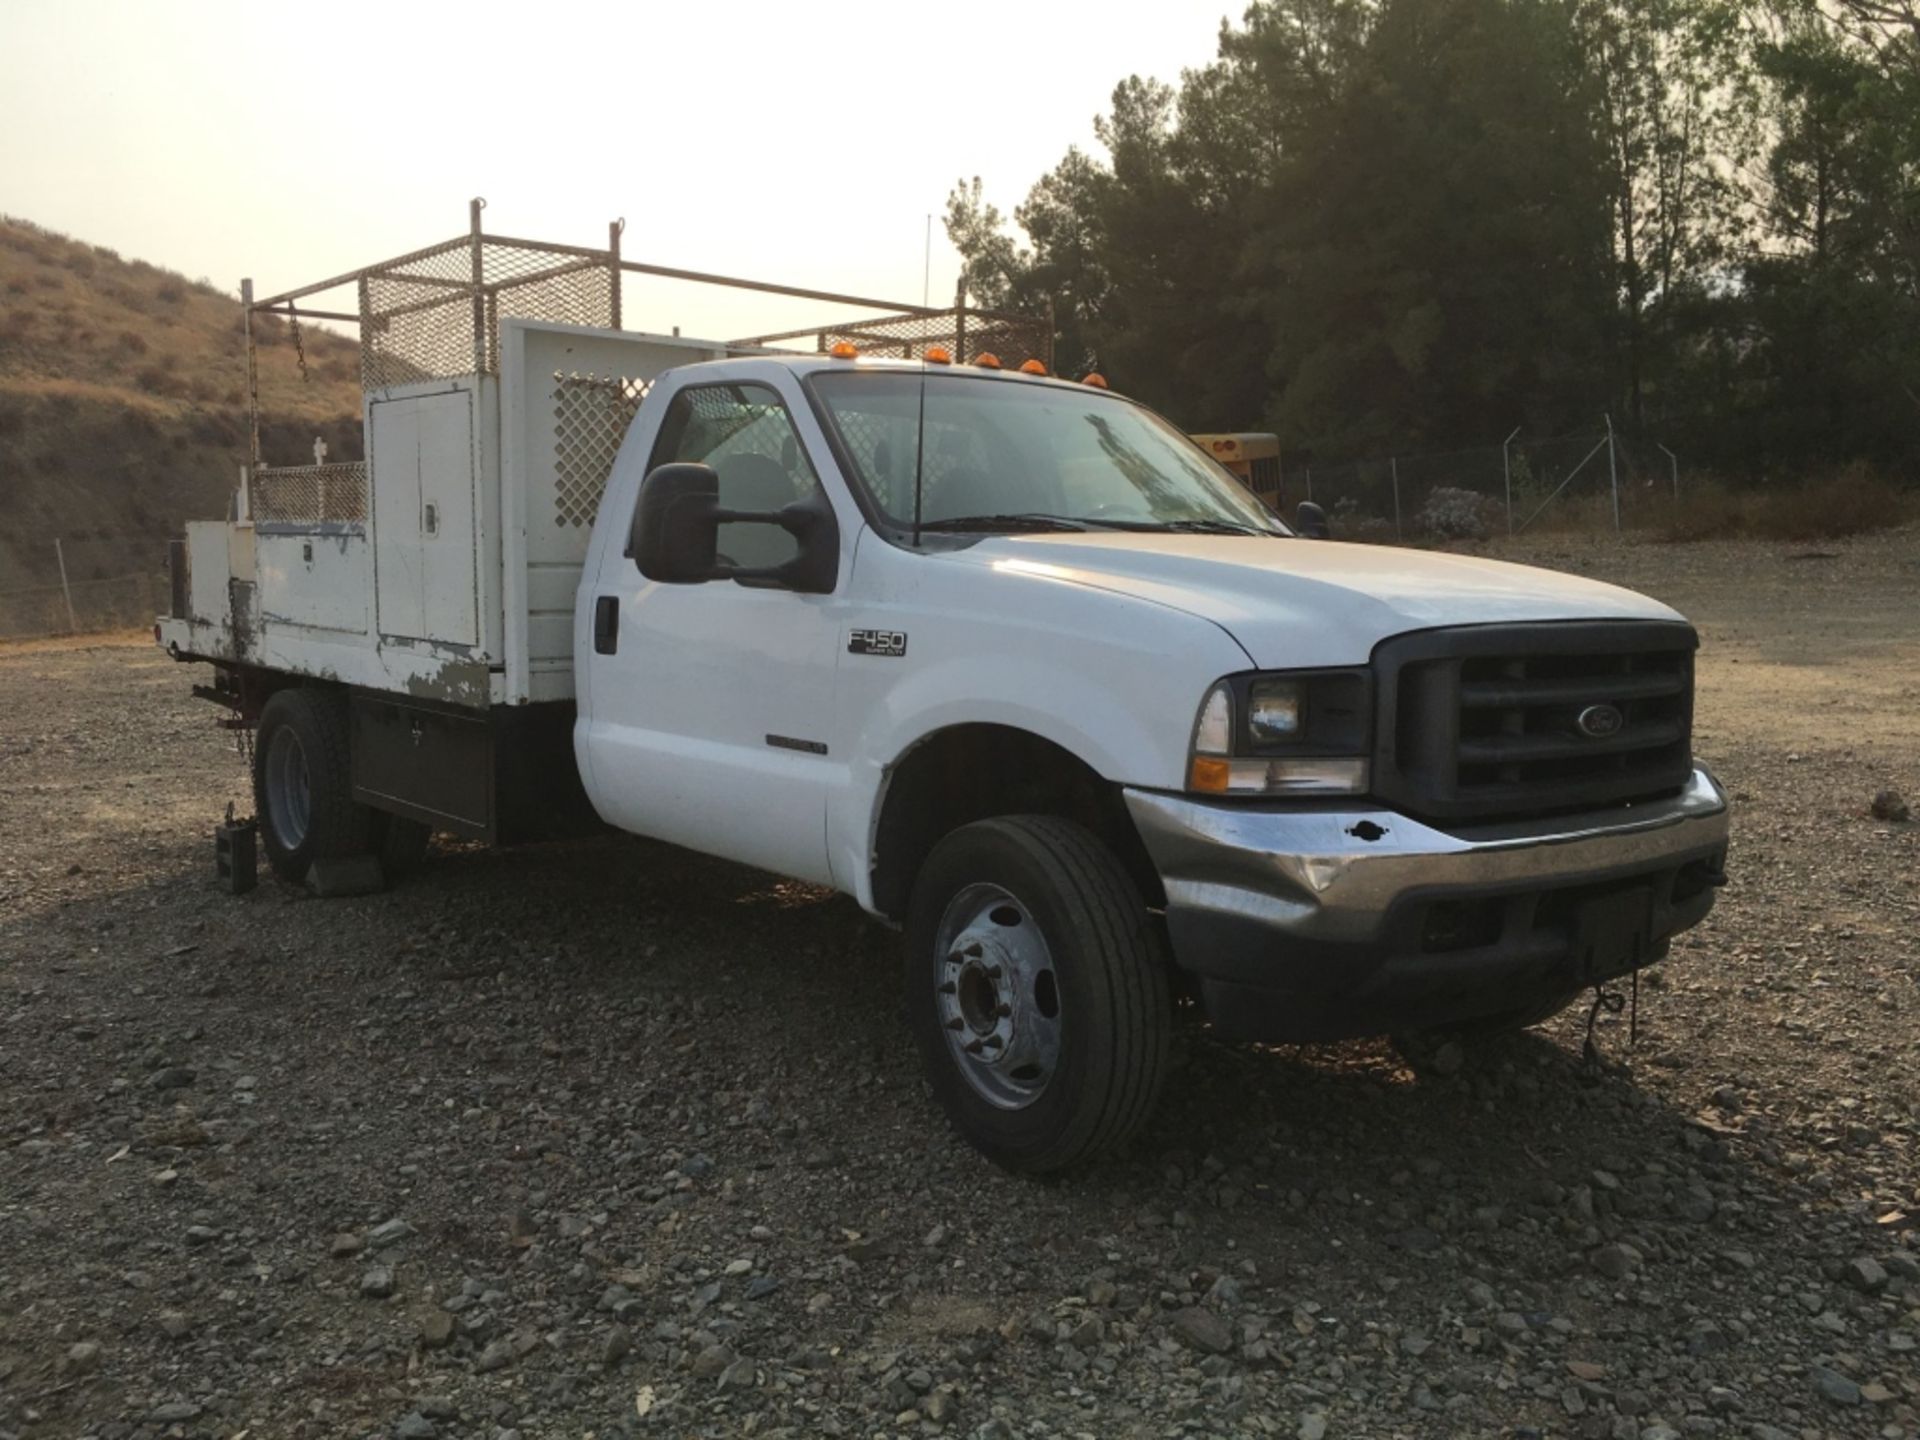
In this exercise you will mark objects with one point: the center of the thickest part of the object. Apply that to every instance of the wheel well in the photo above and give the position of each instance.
(973, 772)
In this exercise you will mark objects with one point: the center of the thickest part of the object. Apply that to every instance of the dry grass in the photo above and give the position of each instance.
(122, 400)
(73, 311)
(1853, 501)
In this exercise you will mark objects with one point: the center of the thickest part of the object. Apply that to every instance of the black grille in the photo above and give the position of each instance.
(1506, 721)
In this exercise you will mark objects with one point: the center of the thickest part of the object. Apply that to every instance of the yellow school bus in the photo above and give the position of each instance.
(1255, 458)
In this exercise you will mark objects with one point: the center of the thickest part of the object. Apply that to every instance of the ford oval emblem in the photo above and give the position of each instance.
(1597, 722)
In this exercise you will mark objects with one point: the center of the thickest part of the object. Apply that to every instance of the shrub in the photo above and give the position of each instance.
(170, 293)
(1454, 514)
(133, 342)
(158, 380)
(1854, 502)
(18, 285)
(80, 262)
(1704, 511)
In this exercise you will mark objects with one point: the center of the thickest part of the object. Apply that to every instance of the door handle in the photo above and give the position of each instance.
(606, 624)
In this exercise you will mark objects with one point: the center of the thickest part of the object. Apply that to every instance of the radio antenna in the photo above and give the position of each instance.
(919, 450)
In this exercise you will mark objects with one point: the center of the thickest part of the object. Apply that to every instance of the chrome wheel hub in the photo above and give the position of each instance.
(289, 792)
(997, 996)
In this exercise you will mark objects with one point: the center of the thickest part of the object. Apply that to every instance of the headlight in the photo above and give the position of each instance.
(1304, 733)
(1274, 710)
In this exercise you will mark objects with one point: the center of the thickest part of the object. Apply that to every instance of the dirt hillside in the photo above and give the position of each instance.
(123, 403)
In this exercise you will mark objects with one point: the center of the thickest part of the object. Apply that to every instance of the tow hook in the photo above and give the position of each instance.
(1613, 1002)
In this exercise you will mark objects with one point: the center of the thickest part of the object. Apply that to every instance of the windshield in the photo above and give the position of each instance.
(1001, 454)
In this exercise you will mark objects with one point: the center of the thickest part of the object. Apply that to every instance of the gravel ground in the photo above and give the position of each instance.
(603, 1139)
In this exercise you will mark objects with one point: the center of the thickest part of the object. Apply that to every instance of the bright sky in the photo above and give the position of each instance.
(804, 143)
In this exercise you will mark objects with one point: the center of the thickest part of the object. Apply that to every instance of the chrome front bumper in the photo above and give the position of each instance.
(1338, 901)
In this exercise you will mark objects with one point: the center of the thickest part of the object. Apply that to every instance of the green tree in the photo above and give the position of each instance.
(1667, 75)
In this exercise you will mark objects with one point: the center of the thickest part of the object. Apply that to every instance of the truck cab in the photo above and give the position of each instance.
(1006, 658)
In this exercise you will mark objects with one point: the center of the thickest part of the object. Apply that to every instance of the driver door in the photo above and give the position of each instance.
(709, 720)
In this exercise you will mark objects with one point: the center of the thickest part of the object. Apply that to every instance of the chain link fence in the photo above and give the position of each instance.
(86, 585)
(1593, 479)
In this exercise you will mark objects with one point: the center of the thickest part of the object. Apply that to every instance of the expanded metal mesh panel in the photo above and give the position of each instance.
(591, 414)
(311, 494)
(427, 317)
(964, 334)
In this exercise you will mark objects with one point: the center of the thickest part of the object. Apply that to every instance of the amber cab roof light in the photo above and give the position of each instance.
(843, 350)
(1095, 379)
(987, 360)
(1032, 367)
(937, 355)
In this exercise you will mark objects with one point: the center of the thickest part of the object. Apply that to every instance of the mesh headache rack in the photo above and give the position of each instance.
(434, 314)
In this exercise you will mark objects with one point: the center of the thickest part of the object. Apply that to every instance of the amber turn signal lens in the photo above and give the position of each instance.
(1209, 775)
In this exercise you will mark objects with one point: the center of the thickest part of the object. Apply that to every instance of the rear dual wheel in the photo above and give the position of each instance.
(1037, 990)
(303, 792)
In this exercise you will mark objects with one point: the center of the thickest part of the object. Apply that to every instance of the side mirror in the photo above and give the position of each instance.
(676, 534)
(1311, 521)
(676, 525)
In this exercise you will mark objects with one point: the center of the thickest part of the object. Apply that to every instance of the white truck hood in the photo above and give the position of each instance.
(1301, 603)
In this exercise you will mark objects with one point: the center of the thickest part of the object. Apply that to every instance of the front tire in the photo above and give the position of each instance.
(303, 784)
(1037, 989)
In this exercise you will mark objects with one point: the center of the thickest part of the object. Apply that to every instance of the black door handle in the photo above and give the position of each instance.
(606, 624)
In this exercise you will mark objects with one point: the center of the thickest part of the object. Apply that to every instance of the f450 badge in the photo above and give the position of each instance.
(877, 642)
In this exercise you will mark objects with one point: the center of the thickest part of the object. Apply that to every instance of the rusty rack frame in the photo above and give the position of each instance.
(435, 313)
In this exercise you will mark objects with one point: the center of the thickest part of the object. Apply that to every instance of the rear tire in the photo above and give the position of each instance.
(1037, 988)
(303, 785)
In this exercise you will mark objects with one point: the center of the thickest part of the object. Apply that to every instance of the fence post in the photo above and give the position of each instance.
(66, 590)
(1308, 472)
(1613, 473)
(1673, 467)
(476, 244)
(614, 229)
(1506, 474)
(1393, 463)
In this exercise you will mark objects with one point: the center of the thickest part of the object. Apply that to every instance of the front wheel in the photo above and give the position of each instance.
(1037, 989)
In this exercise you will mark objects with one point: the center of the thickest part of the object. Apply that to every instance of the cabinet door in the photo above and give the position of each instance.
(425, 572)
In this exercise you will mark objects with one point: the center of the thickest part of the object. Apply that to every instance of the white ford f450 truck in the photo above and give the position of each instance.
(1004, 657)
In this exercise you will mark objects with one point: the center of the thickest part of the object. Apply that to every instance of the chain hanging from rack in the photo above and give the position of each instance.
(299, 350)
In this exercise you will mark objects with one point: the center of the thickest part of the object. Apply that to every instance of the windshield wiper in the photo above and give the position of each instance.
(1026, 520)
(1189, 527)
